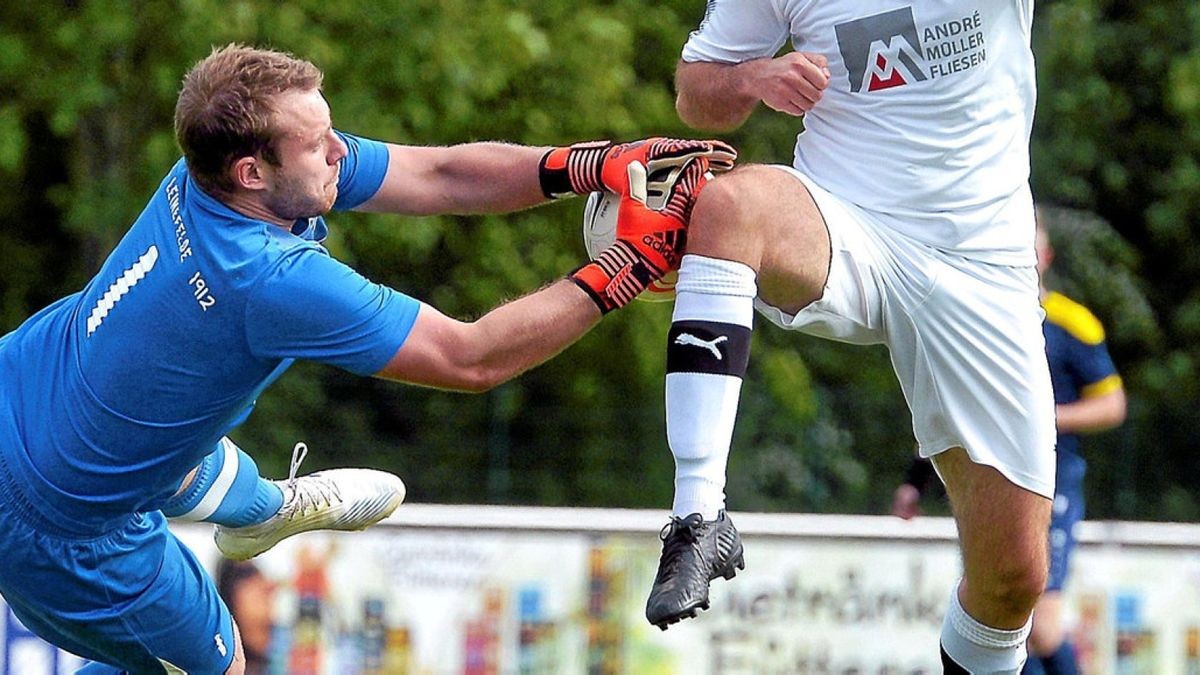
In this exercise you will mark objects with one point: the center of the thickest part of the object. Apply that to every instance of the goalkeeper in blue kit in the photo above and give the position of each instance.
(116, 401)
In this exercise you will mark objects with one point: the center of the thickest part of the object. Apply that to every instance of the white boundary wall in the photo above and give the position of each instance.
(474, 589)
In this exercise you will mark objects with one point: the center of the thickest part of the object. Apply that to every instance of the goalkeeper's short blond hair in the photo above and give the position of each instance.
(226, 110)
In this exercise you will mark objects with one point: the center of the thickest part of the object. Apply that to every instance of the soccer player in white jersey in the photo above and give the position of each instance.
(905, 219)
(115, 401)
(1089, 396)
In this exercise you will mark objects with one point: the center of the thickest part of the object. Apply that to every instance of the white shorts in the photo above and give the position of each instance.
(965, 339)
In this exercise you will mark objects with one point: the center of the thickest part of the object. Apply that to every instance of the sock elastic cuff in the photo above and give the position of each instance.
(713, 276)
(715, 290)
(985, 636)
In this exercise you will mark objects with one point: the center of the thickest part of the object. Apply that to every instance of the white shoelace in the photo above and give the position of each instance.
(321, 493)
(299, 452)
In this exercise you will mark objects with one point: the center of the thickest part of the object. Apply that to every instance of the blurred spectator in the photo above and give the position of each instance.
(918, 481)
(250, 596)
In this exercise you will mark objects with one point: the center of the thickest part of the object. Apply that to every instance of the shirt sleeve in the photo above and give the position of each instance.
(313, 307)
(1093, 369)
(362, 171)
(734, 31)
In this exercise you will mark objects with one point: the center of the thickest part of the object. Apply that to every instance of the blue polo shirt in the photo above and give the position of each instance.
(109, 396)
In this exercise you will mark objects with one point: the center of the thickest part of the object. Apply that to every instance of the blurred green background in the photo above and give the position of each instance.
(87, 92)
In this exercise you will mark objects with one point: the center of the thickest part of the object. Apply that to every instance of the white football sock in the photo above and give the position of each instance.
(707, 351)
(980, 649)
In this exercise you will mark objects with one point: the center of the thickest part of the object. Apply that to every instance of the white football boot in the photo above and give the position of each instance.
(336, 499)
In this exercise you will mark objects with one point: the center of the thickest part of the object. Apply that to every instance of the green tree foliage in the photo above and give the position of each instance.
(87, 92)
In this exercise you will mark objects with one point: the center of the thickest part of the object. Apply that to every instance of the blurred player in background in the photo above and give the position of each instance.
(115, 401)
(1088, 397)
(905, 219)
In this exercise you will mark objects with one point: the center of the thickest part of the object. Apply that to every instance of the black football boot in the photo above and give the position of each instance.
(695, 552)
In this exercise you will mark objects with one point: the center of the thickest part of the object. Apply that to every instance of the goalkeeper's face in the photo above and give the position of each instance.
(304, 183)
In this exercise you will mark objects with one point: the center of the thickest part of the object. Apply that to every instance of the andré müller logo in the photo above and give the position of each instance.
(888, 50)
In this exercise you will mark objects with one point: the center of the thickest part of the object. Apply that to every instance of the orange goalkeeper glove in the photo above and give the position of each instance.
(603, 165)
(649, 242)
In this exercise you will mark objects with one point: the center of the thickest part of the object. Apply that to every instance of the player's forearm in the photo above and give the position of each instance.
(1098, 413)
(476, 356)
(715, 96)
(484, 177)
(519, 335)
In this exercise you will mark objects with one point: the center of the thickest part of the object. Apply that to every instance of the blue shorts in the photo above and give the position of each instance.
(133, 598)
(1066, 514)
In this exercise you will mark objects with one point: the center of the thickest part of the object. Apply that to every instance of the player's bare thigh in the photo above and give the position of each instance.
(1002, 531)
(765, 218)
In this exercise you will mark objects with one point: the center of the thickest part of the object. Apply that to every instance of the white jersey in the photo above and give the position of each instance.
(927, 117)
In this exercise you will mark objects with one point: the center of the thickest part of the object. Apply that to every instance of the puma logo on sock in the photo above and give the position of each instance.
(711, 345)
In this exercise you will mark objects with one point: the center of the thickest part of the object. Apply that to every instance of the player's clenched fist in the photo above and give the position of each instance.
(602, 165)
(792, 83)
(649, 241)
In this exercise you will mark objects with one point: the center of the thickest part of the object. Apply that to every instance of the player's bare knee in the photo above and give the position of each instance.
(728, 206)
(1013, 587)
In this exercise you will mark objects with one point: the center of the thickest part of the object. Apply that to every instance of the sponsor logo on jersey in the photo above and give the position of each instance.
(890, 50)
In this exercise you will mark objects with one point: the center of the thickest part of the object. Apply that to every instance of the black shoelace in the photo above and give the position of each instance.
(678, 536)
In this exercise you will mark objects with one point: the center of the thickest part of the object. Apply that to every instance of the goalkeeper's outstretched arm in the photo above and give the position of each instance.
(489, 177)
(476, 356)
(484, 177)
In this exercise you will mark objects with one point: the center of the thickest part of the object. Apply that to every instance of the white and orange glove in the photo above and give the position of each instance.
(649, 242)
(602, 165)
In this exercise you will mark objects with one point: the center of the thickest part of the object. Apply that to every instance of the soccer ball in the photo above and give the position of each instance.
(600, 231)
